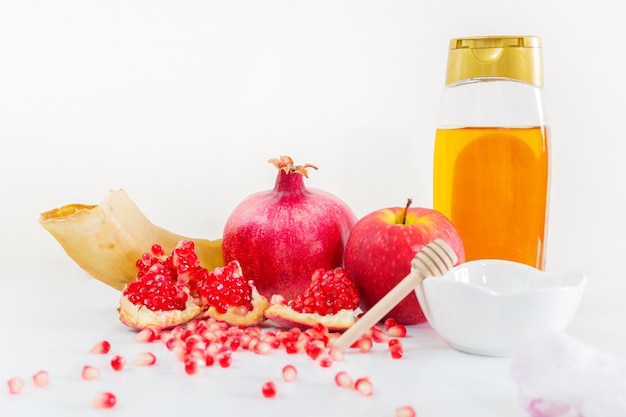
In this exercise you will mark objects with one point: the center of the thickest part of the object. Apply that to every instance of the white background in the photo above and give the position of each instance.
(183, 102)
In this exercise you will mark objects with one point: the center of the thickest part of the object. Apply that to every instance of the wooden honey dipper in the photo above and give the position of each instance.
(434, 260)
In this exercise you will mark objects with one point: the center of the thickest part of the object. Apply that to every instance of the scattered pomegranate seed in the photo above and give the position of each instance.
(146, 336)
(268, 389)
(406, 411)
(89, 373)
(379, 335)
(399, 330)
(364, 344)
(41, 379)
(104, 400)
(15, 385)
(145, 359)
(364, 386)
(224, 359)
(395, 348)
(344, 380)
(314, 350)
(118, 362)
(324, 360)
(336, 354)
(101, 348)
(263, 348)
(191, 367)
(290, 373)
(209, 360)
(389, 323)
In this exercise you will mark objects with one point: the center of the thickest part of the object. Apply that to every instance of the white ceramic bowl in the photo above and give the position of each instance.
(487, 307)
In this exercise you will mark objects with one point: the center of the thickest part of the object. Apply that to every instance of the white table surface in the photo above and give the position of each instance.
(52, 313)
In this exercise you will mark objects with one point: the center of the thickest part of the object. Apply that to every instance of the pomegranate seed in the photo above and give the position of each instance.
(145, 359)
(104, 400)
(364, 344)
(389, 323)
(406, 411)
(344, 380)
(146, 336)
(224, 359)
(41, 379)
(101, 348)
(268, 389)
(118, 362)
(395, 348)
(328, 292)
(165, 336)
(336, 354)
(379, 335)
(319, 328)
(290, 373)
(15, 385)
(314, 350)
(277, 299)
(324, 360)
(226, 287)
(397, 331)
(89, 373)
(191, 367)
(364, 386)
(263, 348)
(209, 360)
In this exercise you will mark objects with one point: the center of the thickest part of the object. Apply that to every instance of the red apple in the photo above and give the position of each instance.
(380, 249)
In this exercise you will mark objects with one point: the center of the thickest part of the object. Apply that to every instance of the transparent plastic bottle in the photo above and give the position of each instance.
(491, 161)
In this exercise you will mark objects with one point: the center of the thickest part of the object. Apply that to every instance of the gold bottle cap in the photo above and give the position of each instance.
(514, 57)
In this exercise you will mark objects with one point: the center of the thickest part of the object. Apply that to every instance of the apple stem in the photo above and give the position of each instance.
(406, 209)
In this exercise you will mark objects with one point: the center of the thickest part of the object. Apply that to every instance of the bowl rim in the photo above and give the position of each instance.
(578, 281)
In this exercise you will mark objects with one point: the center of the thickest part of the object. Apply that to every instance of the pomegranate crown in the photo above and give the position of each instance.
(286, 164)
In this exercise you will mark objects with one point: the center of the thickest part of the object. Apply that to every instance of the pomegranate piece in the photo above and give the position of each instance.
(364, 386)
(41, 379)
(268, 389)
(290, 373)
(174, 290)
(101, 348)
(282, 235)
(161, 296)
(15, 385)
(224, 359)
(118, 363)
(231, 297)
(145, 359)
(223, 288)
(406, 411)
(104, 400)
(329, 301)
(89, 373)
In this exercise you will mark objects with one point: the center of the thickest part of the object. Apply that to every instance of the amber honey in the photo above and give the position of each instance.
(492, 183)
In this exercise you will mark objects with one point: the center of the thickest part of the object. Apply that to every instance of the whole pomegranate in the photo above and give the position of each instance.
(281, 236)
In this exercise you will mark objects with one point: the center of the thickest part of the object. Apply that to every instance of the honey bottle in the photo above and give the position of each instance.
(491, 157)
